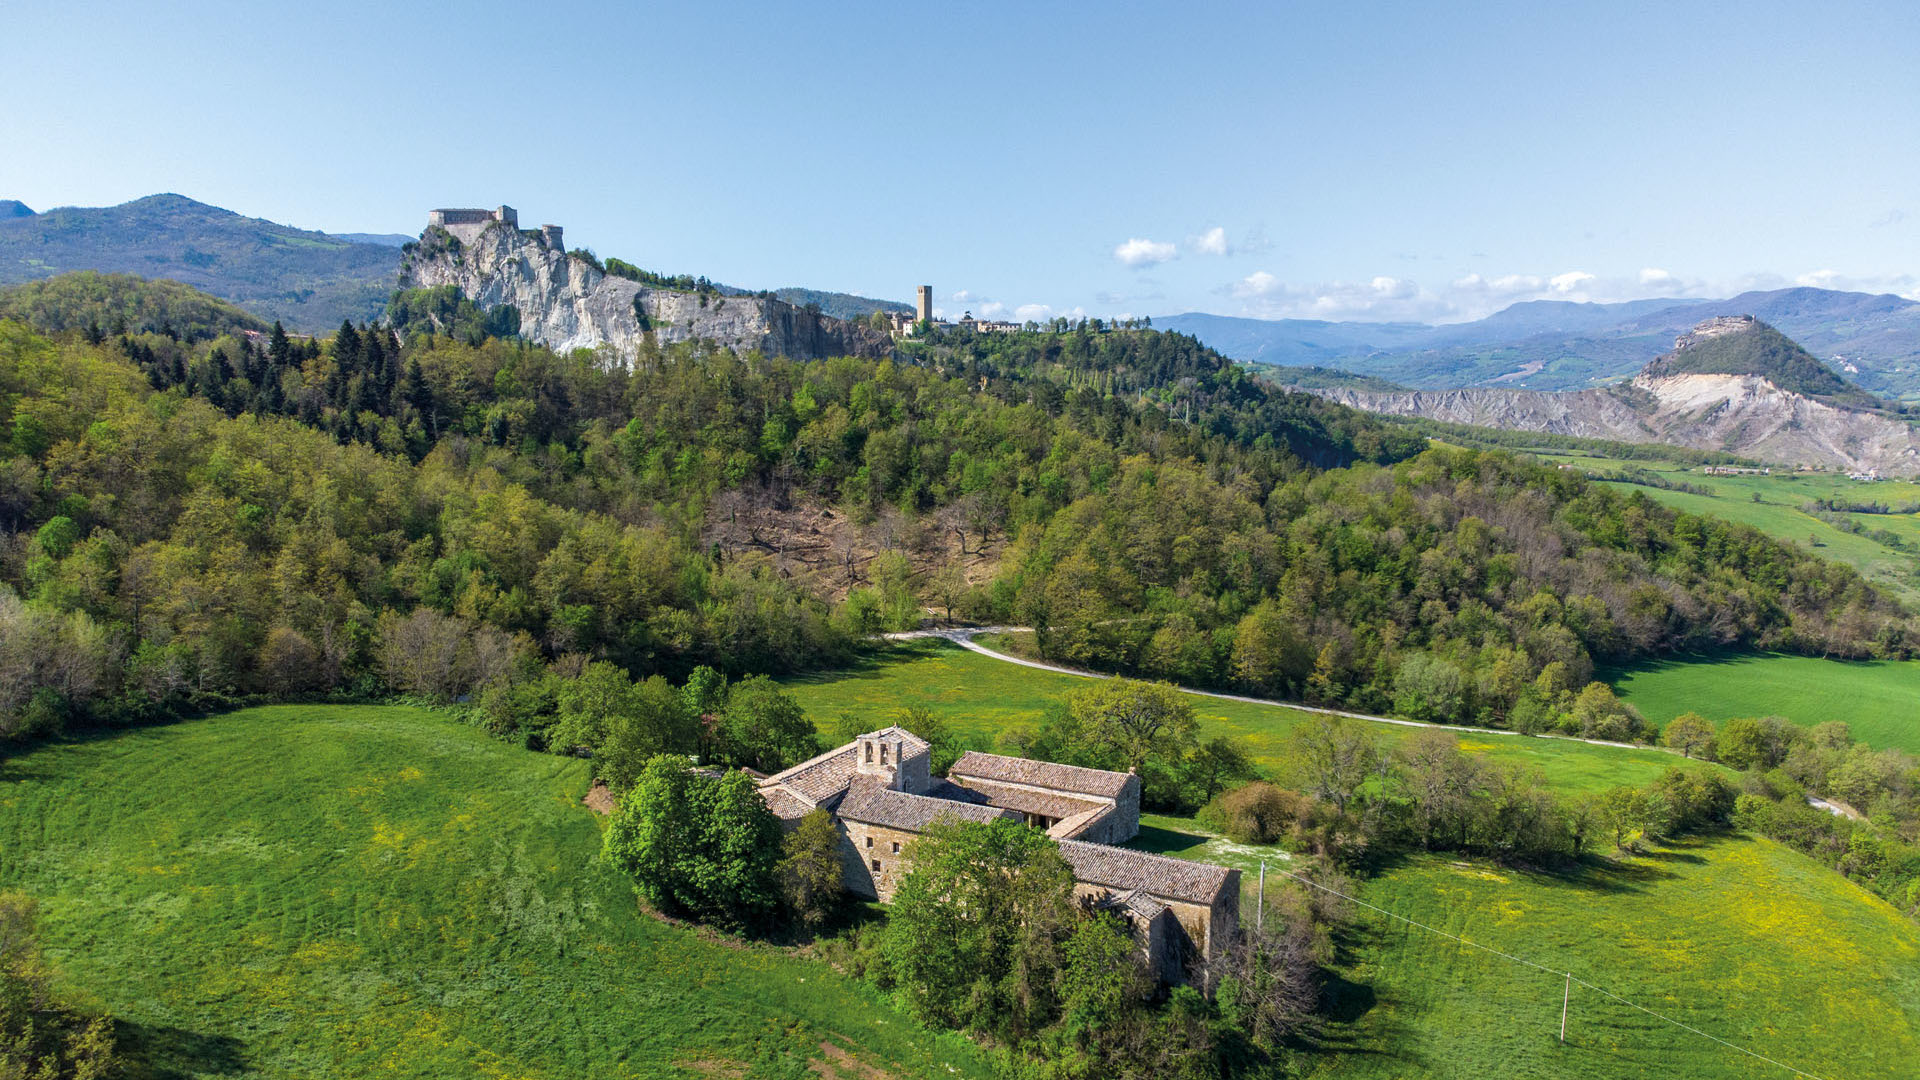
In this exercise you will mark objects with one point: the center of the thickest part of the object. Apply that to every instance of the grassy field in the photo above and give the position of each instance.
(326, 891)
(1879, 700)
(980, 697)
(1779, 512)
(1736, 936)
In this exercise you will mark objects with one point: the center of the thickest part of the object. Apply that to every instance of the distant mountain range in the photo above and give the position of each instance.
(1731, 384)
(1553, 345)
(309, 280)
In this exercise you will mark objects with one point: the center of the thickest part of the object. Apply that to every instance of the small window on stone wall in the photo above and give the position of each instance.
(876, 864)
(869, 841)
(896, 847)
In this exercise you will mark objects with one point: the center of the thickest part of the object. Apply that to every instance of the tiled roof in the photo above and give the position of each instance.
(1068, 828)
(1123, 868)
(1064, 778)
(870, 801)
(1137, 903)
(947, 789)
(914, 743)
(1028, 801)
(819, 778)
(785, 804)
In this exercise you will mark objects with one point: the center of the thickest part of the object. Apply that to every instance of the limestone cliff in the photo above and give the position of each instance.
(1741, 412)
(566, 303)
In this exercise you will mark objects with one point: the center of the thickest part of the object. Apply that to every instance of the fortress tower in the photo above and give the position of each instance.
(467, 223)
(925, 310)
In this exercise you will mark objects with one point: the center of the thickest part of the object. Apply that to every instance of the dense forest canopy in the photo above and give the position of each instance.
(190, 521)
(118, 304)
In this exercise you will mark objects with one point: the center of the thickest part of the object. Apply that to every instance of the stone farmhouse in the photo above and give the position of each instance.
(881, 793)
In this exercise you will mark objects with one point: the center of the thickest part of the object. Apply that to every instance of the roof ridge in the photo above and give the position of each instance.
(792, 770)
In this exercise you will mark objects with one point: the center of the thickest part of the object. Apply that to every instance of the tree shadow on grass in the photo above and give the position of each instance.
(157, 1052)
(1597, 873)
(1349, 1022)
(1161, 841)
(873, 663)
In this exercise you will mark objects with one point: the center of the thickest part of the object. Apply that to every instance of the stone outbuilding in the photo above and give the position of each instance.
(882, 794)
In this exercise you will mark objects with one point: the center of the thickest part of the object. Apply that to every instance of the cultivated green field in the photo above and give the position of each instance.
(327, 891)
(980, 697)
(1779, 512)
(1739, 937)
(1879, 700)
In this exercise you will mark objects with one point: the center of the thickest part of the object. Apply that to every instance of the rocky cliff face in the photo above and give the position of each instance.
(565, 303)
(1747, 415)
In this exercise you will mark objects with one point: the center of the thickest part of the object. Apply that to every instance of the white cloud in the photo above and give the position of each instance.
(1471, 296)
(1211, 242)
(962, 297)
(1892, 217)
(1906, 285)
(1383, 297)
(1394, 288)
(1569, 282)
(1042, 312)
(992, 309)
(1387, 298)
(1139, 252)
(1258, 283)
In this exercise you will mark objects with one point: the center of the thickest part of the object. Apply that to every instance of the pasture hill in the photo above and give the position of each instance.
(1732, 384)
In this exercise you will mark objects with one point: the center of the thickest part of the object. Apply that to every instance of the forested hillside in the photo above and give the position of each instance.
(119, 304)
(184, 523)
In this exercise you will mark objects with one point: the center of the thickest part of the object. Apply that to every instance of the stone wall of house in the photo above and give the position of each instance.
(1162, 948)
(861, 846)
(1197, 933)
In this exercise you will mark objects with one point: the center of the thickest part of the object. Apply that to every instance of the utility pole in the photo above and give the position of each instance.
(1260, 906)
(1565, 996)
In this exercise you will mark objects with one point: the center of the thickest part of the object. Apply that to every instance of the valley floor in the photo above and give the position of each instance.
(1737, 936)
(332, 891)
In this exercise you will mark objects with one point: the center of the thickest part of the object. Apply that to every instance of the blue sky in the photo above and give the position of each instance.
(1335, 160)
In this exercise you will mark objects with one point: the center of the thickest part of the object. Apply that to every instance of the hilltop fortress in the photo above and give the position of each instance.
(569, 301)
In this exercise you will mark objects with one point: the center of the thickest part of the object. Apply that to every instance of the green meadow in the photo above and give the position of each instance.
(349, 891)
(1736, 936)
(1779, 512)
(1879, 699)
(979, 696)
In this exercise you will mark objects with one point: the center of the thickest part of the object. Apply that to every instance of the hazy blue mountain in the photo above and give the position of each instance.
(14, 208)
(839, 305)
(383, 239)
(1874, 340)
(307, 279)
(1295, 342)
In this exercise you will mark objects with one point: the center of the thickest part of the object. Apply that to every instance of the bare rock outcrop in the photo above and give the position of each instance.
(1745, 414)
(566, 303)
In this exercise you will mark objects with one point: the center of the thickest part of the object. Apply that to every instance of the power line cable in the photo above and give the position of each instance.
(1550, 971)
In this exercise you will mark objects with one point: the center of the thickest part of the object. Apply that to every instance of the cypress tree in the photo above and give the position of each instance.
(279, 349)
